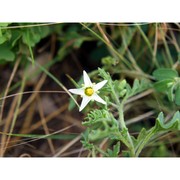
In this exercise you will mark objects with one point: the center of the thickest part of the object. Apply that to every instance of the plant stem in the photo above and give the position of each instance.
(121, 117)
(123, 127)
(122, 124)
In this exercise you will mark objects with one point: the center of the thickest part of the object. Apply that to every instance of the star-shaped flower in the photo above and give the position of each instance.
(89, 91)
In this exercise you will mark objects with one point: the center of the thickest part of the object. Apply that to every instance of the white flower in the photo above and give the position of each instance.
(89, 91)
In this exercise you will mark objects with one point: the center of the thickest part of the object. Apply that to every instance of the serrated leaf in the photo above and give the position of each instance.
(115, 151)
(177, 95)
(165, 73)
(160, 126)
(173, 124)
(138, 86)
(101, 125)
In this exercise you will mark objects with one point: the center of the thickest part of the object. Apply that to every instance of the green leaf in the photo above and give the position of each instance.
(173, 124)
(161, 86)
(5, 35)
(4, 24)
(6, 53)
(165, 73)
(30, 41)
(140, 138)
(170, 93)
(115, 151)
(126, 153)
(33, 35)
(16, 35)
(161, 126)
(2, 39)
(138, 86)
(102, 124)
(85, 140)
(177, 95)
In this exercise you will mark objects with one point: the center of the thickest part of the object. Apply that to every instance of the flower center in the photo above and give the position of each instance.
(89, 91)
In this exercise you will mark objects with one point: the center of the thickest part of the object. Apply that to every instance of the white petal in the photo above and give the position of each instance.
(98, 99)
(77, 91)
(99, 85)
(84, 102)
(87, 81)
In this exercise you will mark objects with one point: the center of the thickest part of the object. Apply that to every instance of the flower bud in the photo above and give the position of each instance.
(122, 84)
(123, 92)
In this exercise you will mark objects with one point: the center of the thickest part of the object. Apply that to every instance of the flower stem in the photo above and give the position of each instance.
(122, 124)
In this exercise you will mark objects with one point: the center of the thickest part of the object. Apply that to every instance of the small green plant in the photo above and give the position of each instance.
(168, 81)
(104, 124)
(133, 110)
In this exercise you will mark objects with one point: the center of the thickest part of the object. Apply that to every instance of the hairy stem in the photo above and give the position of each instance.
(123, 127)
